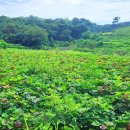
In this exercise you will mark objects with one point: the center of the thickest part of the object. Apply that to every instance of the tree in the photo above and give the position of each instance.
(65, 35)
(116, 20)
(34, 36)
(27, 35)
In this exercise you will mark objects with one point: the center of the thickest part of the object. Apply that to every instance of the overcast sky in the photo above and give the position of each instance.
(98, 11)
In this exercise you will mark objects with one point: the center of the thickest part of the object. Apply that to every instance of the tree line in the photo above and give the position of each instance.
(35, 32)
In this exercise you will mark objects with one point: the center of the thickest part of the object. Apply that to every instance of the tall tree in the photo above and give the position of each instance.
(116, 20)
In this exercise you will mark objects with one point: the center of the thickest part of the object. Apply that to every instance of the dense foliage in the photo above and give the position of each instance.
(63, 90)
(5, 45)
(36, 32)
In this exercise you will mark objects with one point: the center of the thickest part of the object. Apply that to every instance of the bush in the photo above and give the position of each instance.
(91, 44)
(3, 44)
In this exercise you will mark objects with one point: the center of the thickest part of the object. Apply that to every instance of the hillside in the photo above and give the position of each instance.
(122, 32)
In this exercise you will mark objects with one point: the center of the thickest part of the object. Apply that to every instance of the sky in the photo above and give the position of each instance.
(97, 11)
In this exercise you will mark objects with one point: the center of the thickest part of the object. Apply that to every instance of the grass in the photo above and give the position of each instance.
(63, 90)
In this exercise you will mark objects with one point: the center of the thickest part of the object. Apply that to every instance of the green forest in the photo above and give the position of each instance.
(61, 74)
(38, 33)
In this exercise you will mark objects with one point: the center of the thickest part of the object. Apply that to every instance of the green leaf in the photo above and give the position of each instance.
(5, 115)
(9, 126)
(96, 123)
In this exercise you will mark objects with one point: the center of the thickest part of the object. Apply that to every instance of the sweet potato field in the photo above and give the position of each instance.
(63, 90)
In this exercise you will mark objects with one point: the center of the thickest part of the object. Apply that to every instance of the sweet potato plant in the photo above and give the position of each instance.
(63, 90)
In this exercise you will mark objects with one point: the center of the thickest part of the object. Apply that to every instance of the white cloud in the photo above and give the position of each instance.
(99, 11)
(71, 2)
